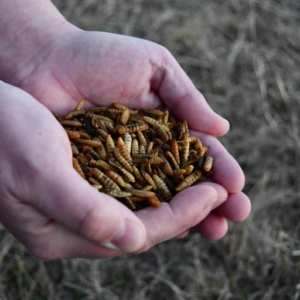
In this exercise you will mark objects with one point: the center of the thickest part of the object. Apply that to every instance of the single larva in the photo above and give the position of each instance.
(78, 168)
(132, 128)
(188, 181)
(105, 180)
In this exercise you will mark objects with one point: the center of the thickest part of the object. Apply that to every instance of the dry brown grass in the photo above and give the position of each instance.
(244, 55)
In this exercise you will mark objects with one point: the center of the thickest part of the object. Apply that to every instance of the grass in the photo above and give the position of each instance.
(244, 56)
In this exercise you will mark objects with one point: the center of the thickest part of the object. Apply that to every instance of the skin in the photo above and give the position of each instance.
(44, 202)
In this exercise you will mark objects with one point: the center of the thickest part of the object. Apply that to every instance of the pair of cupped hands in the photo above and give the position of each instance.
(46, 205)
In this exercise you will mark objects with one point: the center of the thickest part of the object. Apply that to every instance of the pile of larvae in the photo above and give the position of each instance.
(140, 157)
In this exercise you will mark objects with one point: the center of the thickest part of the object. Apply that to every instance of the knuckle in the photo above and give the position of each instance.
(165, 52)
(93, 226)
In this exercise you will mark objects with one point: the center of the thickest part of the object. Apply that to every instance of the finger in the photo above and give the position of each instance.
(56, 247)
(186, 209)
(226, 170)
(213, 227)
(222, 193)
(183, 234)
(237, 207)
(45, 238)
(72, 202)
(183, 99)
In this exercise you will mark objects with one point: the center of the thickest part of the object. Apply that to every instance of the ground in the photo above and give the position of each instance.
(244, 56)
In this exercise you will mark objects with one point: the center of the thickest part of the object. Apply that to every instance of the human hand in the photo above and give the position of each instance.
(55, 213)
(105, 68)
(44, 202)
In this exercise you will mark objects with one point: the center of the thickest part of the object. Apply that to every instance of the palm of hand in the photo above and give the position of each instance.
(106, 68)
(99, 67)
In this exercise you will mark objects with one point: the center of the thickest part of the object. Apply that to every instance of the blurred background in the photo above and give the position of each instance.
(244, 56)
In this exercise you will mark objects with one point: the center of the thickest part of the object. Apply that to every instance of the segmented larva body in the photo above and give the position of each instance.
(73, 134)
(132, 128)
(179, 172)
(98, 109)
(141, 139)
(147, 188)
(150, 147)
(101, 133)
(125, 116)
(118, 179)
(141, 193)
(135, 149)
(90, 143)
(98, 186)
(93, 181)
(105, 180)
(123, 162)
(136, 199)
(154, 202)
(185, 149)
(162, 134)
(143, 158)
(166, 167)
(137, 174)
(155, 122)
(102, 152)
(189, 170)
(106, 120)
(110, 146)
(119, 106)
(103, 165)
(116, 194)
(208, 163)
(191, 161)
(74, 114)
(115, 111)
(142, 150)
(84, 135)
(84, 159)
(170, 155)
(198, 145)
(148, 167)
(87, 170)
(148, 178)
(70, 123)
(79, 105)
(204, 150)
(161, 185)
(188, 181)
(74, 149)
(180, 131)
(88, 150)
(124, 151)
(185, 127)
(154, 112)
(175, 151)
(128, 141)
(166, 117)
(128, 176)
(162, 145)
(78, 168)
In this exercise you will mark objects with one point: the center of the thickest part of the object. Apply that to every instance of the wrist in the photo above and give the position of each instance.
(28, 34)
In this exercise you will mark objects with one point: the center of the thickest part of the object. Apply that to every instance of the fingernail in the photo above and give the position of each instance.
(129, 237)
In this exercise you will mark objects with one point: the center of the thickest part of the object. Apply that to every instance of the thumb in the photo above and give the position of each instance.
(75, 204)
